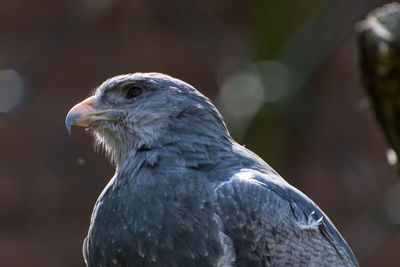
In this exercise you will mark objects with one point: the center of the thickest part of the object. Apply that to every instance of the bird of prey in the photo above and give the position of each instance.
(185, 193)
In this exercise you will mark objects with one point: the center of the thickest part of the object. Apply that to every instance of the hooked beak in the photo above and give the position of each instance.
(84, 113)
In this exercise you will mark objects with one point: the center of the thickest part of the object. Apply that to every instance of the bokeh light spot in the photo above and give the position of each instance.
(242, 94)
(276, 79)
(391, 156)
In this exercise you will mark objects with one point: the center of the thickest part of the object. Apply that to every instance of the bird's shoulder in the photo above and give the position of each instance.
(262, 213)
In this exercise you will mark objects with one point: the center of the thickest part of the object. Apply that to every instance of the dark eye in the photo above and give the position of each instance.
(133, 91)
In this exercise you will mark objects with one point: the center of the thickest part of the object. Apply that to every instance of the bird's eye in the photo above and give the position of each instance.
(133, 91)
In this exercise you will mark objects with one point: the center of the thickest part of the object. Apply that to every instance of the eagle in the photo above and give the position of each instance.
(185, 193)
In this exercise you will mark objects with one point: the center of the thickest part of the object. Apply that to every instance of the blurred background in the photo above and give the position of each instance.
(283, 73)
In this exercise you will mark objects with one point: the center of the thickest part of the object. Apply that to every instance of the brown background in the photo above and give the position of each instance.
(321, 136)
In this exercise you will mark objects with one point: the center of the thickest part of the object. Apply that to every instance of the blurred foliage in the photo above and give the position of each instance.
(272, 23)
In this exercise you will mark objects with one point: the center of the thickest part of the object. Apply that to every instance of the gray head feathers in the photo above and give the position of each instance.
(164, 104)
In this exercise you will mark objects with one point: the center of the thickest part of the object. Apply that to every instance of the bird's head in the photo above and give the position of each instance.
(133, 111)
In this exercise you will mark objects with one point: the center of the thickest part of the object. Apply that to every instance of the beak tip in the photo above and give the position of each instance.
(69, 121)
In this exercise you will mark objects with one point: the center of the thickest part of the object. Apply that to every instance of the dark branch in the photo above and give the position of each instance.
(379, 46)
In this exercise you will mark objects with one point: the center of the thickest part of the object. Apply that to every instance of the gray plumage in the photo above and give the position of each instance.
(186, 194)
